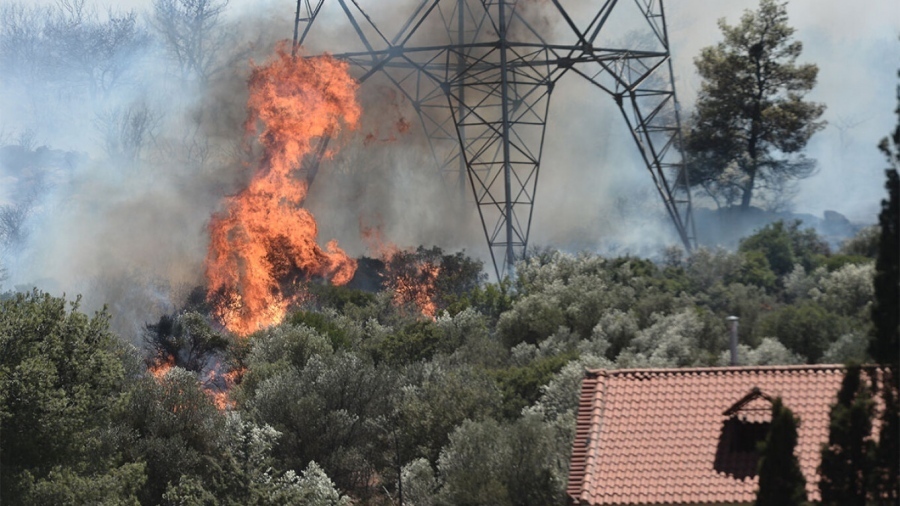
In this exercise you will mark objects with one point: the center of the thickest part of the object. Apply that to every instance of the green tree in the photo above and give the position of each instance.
(806, 328)
(751, 121)
(174, 427)
(885, 344)
(61, 373)
(509, 464)
(781, 482)
(326, 411)
(784, 245)
(847, 458)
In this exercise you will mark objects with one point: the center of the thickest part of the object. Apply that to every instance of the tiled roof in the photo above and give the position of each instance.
(664, 436)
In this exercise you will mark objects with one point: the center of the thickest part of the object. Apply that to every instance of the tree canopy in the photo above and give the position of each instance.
(751, 121)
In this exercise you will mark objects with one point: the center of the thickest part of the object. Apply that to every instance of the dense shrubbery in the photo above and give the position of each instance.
(475, 406)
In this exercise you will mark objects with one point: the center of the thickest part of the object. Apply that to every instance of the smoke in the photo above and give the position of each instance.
(117, 202)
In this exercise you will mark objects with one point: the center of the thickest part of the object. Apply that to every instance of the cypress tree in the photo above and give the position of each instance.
(847, 458)
(885, 344)
(781, 482)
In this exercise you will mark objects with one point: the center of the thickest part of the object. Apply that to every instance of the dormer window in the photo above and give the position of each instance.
(745, 426)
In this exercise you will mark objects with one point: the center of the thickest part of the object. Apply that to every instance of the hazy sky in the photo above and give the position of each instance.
(855, 45)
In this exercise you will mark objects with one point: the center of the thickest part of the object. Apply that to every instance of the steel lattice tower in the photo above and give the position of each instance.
(480, 75)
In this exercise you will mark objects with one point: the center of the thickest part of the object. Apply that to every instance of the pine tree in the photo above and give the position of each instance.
(847, 458)
(781, 482)
(751, 121)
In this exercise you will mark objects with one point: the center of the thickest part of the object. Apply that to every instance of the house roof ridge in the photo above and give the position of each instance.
(742, 368)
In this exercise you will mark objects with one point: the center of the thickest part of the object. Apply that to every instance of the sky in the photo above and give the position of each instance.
(855, 44)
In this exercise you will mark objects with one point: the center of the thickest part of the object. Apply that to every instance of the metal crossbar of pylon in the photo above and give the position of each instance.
(480, 74)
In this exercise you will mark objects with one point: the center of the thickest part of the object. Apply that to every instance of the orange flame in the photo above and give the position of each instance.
(417, 287)
(161, 367)
(218, 385)
(412, 279)
(264, 232)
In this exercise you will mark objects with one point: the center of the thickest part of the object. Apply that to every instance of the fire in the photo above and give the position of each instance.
(215, 383)
(264, 234)
(218, 385)
(412, 277)
(159, 368)
(416, 285)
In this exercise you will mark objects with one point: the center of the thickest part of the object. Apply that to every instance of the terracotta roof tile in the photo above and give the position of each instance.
(656, 436)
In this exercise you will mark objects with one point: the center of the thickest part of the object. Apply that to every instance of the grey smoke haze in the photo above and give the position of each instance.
(132, 233)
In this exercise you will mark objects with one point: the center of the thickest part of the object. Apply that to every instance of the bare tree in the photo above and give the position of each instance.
(93, 52)
(193, 34)
(125, 132)
(69, 45)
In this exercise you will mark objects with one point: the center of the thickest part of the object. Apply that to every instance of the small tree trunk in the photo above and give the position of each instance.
(747, 196)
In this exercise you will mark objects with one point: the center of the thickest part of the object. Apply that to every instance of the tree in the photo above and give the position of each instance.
(751, 121)
(193, 34)
(511, 464)
(781, 483)
(61, 373)
(885, 344)
(785, 245)
(847, 458)
(86, 50)
(174, 427)
(186, 339)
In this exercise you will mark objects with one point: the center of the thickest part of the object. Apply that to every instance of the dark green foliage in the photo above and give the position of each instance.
(781, 483)
(490, 299)
(835, 262)
(338, 297)
(805, 328)
(786, 245)
(175, 429)
(329, 411)
(864, 243)
(459, 275)
(847, 458)
(775, 245)
(440, 398)
(504, 464)
(533, 319)
(885, 347)
(751, 121)
(521, 384)
(756, 271)
(60, 374)
(885, 482)
(417, 341)
(64, 487)
(885, 344)
(324, 326)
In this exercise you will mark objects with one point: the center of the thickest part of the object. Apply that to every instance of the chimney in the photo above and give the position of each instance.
(733, 320)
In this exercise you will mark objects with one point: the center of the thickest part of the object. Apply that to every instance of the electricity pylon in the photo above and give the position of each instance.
(480, 75)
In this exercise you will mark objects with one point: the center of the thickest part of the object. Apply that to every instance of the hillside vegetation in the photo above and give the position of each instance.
(358, 397)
